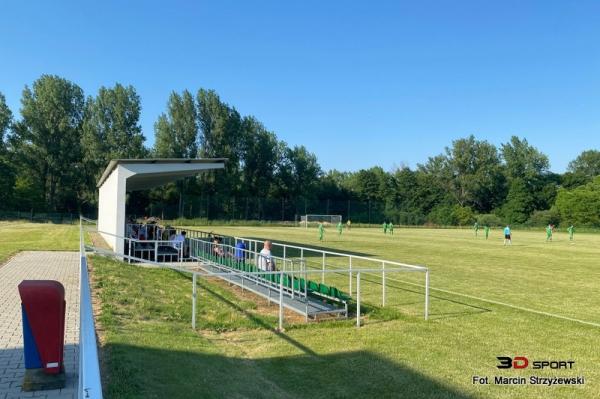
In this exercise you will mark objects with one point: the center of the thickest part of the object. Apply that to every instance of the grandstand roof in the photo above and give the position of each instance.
(125, 175)
(149, 173)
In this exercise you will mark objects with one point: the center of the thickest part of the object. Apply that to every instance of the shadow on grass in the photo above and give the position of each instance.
(151, 372)
(475, 309)
(261, 322)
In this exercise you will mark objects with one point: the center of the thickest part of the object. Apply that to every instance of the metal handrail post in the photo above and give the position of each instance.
(323, 270)
(292, 278)
(303, 266)
(350, 277)
(281, 301)
(427, 294)
(358, 299)
(382, 284)
(194, 293)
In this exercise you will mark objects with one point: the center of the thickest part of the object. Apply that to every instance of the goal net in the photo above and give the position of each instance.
(314, 220)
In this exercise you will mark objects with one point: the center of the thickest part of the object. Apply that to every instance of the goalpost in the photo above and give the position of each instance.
(305, 220)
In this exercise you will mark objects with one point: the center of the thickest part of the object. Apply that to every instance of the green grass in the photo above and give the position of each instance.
(23, 236)
(150, 350)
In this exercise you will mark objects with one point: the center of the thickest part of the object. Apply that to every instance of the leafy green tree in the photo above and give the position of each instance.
(5, 121)
(47, 139)
(220, 137)
(524, 161)
(176, 131)
(527, 172)
(7, 175)
(580, 205)
(176, 134)
(111, 130)
(297, 172)
(475, 174)
(520, 202)
(586, 165)
(334, 184)
(258, 158)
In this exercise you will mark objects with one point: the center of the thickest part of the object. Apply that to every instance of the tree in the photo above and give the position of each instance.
(47, 139)
(526, 171)
(297, 172)
(111, 130)
(5, 121)
(176, 131)
(523, 161)
(258, 158)
(220, 137)
(580, 205)
(520, 202)
(586, 165)
(7, 175)
(475, 173)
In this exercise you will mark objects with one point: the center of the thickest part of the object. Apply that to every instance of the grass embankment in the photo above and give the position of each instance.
(150, 349)
(23, 236)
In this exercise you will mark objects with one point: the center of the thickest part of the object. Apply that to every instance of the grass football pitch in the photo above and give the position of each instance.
(533, 299)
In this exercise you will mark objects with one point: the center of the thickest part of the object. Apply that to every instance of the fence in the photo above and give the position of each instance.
(220, 207)
(40, 217)
(314, 258)
(90, 385)
(199, 246)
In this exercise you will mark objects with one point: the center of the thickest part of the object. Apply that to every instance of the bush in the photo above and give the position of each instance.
(441, 215)
(463, 215)
(489, 219)
(451, 215)
(544, 218)
(405, 218)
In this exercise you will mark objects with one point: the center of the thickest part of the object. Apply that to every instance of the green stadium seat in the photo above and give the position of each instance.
(324, 289)
(334, 292)
(312, 286)
(302, 284)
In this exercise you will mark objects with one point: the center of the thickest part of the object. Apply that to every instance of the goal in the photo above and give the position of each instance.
(313, 220)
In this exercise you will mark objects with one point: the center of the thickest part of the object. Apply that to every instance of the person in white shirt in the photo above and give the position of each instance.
(265, 260)
(178, 240)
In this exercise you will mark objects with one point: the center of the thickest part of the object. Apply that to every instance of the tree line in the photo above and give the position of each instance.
(53, 153)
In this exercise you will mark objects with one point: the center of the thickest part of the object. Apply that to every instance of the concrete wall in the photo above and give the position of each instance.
(111, 208)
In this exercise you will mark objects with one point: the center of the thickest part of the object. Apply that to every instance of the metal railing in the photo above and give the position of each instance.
(202, 243)
(90, 385)
(349, 260)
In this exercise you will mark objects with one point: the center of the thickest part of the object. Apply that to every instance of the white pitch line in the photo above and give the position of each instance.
(557, 316)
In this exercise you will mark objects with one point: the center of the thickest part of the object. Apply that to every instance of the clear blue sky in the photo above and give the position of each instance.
(360, 84)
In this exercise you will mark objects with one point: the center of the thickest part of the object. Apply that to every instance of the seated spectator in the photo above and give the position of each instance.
(265, 260)
(240, 251)
(217, 248)
(179, 240)
(144, 228)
